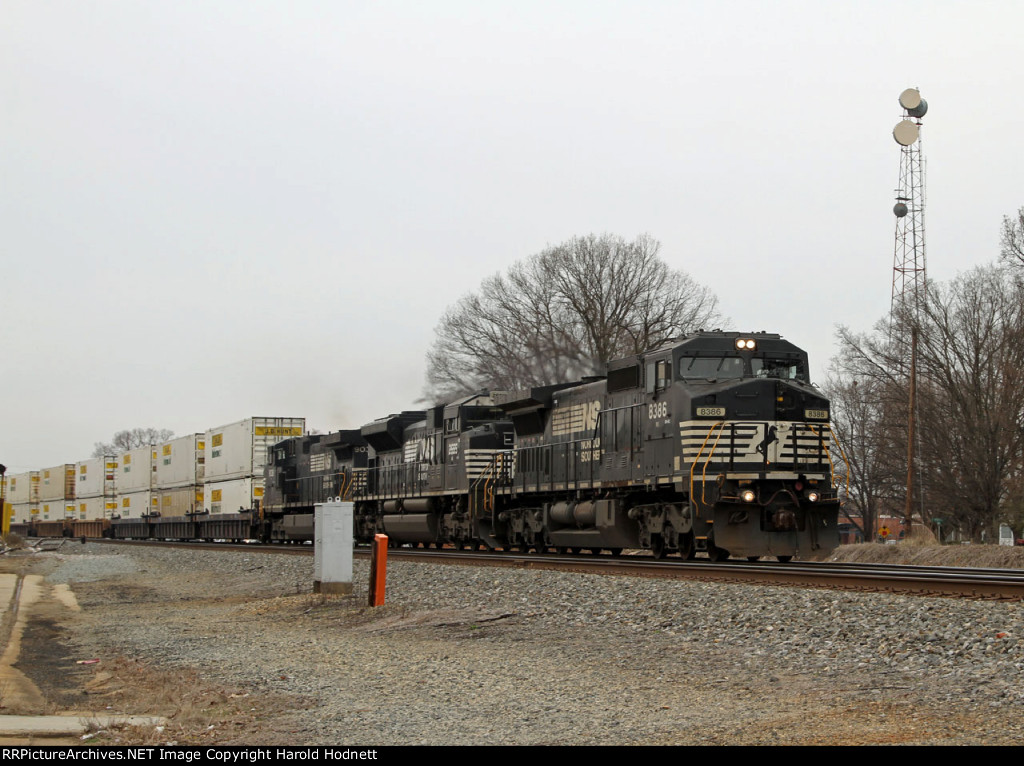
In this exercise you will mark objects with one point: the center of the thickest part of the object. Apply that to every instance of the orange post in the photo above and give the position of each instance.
(378, 569)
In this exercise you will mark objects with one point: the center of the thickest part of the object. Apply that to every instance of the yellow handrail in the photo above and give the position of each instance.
(693, 466)
(347, 480)
(488, 477)
(704, 470)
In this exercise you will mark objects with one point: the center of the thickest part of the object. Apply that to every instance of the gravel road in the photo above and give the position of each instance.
(473, 655)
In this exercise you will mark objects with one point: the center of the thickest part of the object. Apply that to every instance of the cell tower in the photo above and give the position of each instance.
(908, 268)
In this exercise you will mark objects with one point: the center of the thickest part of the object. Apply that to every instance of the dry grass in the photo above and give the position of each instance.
(196, 712)
(929, 553)
(14, 541)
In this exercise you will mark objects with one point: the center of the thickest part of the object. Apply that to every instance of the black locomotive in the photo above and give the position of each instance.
(715, 442)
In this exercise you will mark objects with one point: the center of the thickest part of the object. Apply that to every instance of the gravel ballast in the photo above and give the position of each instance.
(478, 655)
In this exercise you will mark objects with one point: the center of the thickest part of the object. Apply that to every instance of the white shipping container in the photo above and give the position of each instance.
(134, 505)
(232, 496)
(179, 462)
(95, 477)
(55, 510)
(239, 450)
(135, 470)
(24, 512)
(57, 483)
(180, 501)
(23, 488)
(93, 508)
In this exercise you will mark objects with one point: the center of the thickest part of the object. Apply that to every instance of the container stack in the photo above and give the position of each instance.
(235, 457)
(23, 495)
(179, 476)
(57, 492)
(94, 490)
(134, 483)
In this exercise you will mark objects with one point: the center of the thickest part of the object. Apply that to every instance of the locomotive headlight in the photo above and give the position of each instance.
(812, 497)
(745, 344)
(747, 495)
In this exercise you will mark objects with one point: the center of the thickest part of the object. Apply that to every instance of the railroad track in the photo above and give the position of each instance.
(991, 584)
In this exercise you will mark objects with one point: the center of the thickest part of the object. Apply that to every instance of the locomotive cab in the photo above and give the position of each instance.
(757, 447)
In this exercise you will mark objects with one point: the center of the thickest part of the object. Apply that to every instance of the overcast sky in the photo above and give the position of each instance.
(213, 210)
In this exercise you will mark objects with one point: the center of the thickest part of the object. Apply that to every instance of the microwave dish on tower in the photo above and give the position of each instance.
(911, 100)
(906, 132)
(908, 284)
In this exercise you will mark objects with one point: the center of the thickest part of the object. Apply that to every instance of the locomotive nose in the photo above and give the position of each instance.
(787, 403)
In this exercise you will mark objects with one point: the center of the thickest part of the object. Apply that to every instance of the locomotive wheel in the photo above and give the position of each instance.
(753, 558)
(784, 559)
(658, 546)
(616, 552)
(595, 551)
(687, 550)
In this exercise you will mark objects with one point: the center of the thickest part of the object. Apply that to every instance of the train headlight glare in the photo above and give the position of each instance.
(747, 495)
(812, 497)
(745, 343)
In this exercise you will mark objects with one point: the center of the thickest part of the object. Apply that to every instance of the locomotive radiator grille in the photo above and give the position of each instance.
(477, 461)
(737, 442)
(800, 446)
(805, 446)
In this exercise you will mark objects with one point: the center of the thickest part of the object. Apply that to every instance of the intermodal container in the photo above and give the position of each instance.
(135, 470)
(233, 496)
(239, 450)
(25, 512)
(23, 488)
(95, 477)
(55, 510)
(179, 462)
(89, 508)
(181, 501)
(134, 505)
(57, 483)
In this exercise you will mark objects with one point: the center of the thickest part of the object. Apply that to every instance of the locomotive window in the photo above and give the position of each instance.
(664, 374)
(786, 369)
(659, 376)
(726, 367)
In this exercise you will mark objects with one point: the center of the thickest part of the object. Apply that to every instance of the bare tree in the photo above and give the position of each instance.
(970, 401)
(125, 441)
(869, 419)
(1011, 241)
(562, 314)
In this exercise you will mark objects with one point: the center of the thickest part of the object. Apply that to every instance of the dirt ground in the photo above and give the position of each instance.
(47, 676)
